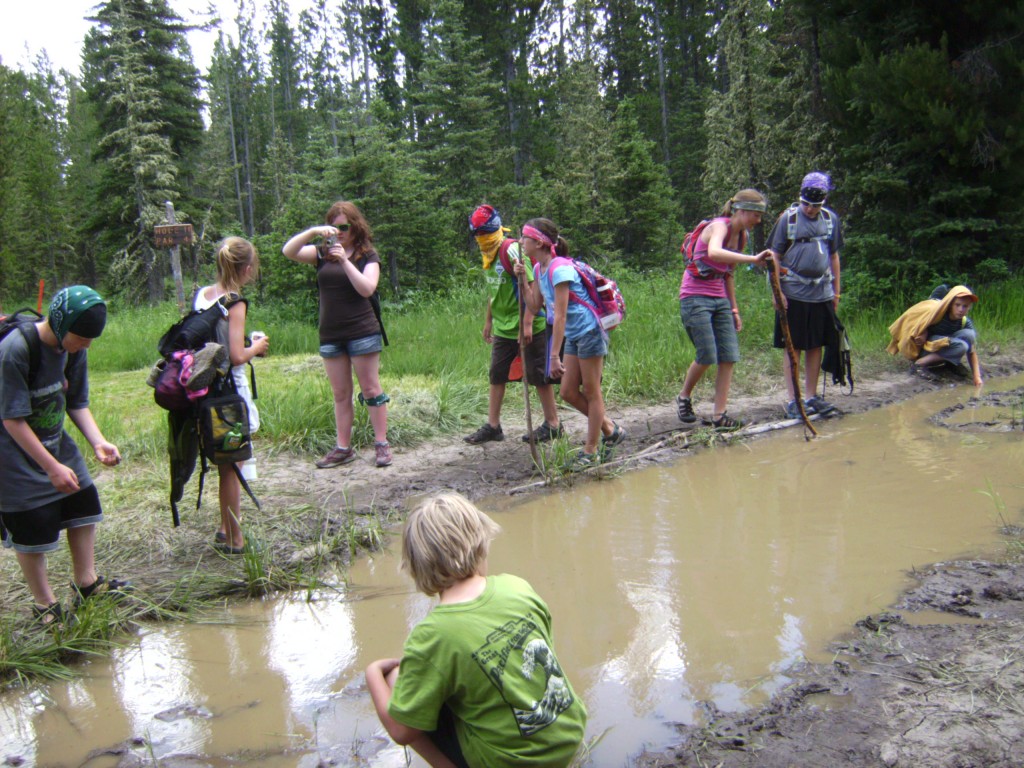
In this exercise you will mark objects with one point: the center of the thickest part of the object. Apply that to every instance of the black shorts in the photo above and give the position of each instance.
(810, 324)
(504, 351)
(38, 530)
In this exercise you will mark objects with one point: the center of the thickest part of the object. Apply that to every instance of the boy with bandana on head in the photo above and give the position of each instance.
(501, 330)
(45, 486)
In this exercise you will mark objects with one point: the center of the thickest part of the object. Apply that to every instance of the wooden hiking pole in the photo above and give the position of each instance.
(794, 359)
(522, 356)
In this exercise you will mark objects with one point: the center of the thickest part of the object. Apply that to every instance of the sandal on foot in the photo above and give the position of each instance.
(545, 433)
(52, 615)
(684, 410)
(485, 434)
(102, 586)
(227, 549)
(220, 538)
(617, 436)
(726, 422)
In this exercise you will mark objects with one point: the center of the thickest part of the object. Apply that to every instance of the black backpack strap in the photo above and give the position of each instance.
(34, 343)
(245, 486)
(374, 304)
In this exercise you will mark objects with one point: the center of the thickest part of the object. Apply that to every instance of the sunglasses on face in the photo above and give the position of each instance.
(812, 195)
(342, 227)
(809, 204)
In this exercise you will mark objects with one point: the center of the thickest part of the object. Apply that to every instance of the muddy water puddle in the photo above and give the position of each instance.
(701, 581)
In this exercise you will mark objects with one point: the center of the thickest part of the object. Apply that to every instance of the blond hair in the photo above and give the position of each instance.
(743, 196)
(234, 254)
(445, 540)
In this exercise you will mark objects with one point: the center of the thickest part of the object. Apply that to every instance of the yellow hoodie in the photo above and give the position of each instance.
(916, 321)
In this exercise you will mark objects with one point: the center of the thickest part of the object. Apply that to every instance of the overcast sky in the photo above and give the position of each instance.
(59, 27)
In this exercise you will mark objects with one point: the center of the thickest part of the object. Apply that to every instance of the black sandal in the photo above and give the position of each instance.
(51, 616)
(102, 586)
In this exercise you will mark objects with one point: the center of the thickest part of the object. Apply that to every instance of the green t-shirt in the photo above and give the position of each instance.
(504, 306)
(492, 662)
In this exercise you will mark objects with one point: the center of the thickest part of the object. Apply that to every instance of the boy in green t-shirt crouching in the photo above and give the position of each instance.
(478, 683)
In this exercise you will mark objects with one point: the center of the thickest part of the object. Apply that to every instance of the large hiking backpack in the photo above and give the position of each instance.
(209, 424)
(606, 300)
(696, 267)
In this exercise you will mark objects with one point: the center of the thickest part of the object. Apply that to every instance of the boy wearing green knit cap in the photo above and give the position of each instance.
(45, 486)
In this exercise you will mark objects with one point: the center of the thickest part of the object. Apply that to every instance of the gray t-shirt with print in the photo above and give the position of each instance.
(809, 256)
(43, 403)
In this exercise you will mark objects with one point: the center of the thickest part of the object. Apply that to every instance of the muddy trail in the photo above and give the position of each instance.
(654, 435)
(936, 681)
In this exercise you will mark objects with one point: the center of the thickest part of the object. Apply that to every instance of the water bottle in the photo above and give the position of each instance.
(233, 439)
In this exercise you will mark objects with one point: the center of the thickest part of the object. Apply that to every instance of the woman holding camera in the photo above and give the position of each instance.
(347, 272)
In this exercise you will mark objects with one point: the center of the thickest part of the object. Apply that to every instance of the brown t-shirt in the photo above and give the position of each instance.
(345, 315)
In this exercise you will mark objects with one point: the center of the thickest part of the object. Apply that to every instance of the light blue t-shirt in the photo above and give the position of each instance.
(579, 320)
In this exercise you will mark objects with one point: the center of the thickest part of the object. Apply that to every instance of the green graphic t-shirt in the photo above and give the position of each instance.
(491, 660)
(504, 305)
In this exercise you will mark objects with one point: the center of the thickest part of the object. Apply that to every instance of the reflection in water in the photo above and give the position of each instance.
(704, 581)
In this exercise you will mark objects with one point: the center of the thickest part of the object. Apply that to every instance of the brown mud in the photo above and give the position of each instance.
(899, 692)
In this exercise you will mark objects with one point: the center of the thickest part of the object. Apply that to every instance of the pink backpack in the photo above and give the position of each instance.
(606, 301)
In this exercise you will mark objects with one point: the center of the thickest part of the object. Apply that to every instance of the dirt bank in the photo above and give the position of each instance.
(904, 688)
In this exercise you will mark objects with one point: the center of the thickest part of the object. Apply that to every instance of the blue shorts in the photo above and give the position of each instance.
(593, 343)
(37, 530)
(709, 324)
(353, 347)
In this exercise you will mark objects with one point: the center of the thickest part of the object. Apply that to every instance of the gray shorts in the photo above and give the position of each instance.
(710, 326)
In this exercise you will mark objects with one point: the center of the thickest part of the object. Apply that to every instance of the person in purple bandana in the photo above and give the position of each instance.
(805, 242)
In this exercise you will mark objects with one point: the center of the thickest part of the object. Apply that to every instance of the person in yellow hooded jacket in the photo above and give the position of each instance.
(938, 331)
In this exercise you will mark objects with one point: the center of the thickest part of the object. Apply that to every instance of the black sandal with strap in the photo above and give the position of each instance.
(102, 586)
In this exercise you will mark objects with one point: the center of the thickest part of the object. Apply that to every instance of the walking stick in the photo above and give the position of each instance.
(794, 359)
(522, 356)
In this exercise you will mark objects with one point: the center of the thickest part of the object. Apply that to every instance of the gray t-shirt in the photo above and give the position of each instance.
(809, 256)
(43, 403)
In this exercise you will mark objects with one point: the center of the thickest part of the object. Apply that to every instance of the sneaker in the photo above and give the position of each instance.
(545, 433)
(726, 423)
(102, 586)
(383, 453)
(617, 436)
(819, 405)
(793, 410)
(485, 434)
(684, 410)
(336, 457)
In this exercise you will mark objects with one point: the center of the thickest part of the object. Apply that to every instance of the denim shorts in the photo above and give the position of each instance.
(709, 324)
(353, 347)
(593, 343)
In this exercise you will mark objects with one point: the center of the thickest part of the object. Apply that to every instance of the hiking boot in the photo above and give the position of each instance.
(793, 410)
(923, 373)
(383, 453)
(336, 457)
(102, 586)
(818, 405)
(485, 434)
(154, 373)
(545, 433)
(205, 365)
(617, 436)
(726, 423)
(684, 410)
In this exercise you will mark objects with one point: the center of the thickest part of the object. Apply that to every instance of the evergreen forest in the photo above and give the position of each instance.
(624, 121)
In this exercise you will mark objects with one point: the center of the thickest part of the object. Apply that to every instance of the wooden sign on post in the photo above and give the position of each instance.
(170, 235)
